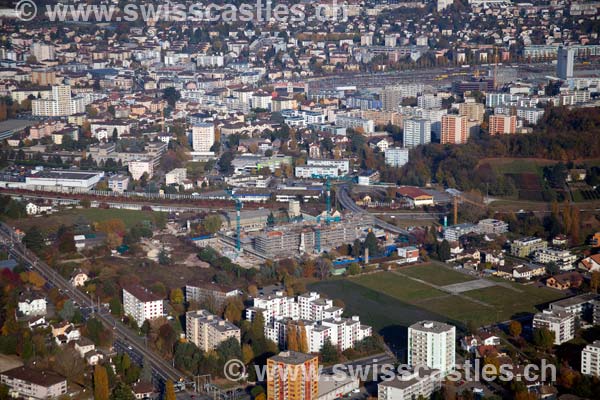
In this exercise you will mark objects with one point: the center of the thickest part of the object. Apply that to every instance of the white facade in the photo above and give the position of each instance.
(30, 307)
(347, 121)
(141, 304)
(203, 136)
(418, 384)
(139, 167)
(416, 131)
(59, 104)
(590, 359)
(560, 323)
(207, 331)
(176, 176)
(64, 178)
(118, 183)
(432, 344)
(562, 258)
(322, 320)
(396, 156)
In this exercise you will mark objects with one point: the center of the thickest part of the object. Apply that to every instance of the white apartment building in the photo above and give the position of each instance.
(58, 104)
(176, 176)
(208, 331)
(417, 131)
(322, 320)
(203, 136)
(42, 51)
(432, 344)
(26, 383)
(396, 156)
(118, 183)
(429, 100)
(564, 259)
(141, 304)
(560, 323)
(137, 168)
(417, 384)
(307, 171)
(341, 332)
(492, 226)
(323, 167)
(590, 359)
(348, 121)
(342, 165)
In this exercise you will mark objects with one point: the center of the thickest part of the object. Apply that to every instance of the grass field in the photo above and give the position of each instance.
(70, 216)
(436, 275)
(399, 287)
(517, 165)
(390, 302)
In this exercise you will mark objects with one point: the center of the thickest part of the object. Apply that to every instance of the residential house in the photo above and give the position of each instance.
(565, 281)
(591, 263)
(31, 303)
(143, 390)
(23, 382)
(79, 278)
(65, 332)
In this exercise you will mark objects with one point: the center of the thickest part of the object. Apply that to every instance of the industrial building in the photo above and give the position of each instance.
(59, 179)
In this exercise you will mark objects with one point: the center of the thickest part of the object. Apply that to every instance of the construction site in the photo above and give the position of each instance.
(312, 236)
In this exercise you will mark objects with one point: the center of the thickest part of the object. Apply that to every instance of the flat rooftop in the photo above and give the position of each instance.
(292, 357)
(16, 124)
(64, 175)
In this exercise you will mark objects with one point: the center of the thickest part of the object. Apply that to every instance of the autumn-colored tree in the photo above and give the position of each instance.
(33, 277)
(567, 377)
(253, 290)
(595, 281)
(11, 326)
(247, 354)
(515, 328)
(170, 390)
(176, 296)
(113, 240)
(292, 338)
(308, 268)
(567, 217)
(233, 311)
(113, 225)
(575, 225)
(302, 340)
(101, 390)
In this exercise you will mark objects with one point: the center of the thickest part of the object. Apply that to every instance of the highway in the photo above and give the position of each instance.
(160, 366)
(346, 202)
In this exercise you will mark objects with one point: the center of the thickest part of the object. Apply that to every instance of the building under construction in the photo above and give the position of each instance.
(292, 239)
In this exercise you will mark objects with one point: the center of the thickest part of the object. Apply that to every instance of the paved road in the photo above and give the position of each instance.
(160, 366)
(346, 202)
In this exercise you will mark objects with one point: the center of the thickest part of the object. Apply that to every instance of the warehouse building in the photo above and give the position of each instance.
(58, 180)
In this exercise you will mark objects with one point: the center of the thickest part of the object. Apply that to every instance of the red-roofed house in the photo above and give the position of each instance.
(591, 263)
(415, 196)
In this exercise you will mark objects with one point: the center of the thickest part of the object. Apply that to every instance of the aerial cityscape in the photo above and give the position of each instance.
(300, 200)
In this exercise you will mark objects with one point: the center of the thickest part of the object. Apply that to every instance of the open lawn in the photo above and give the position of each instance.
(517, 165)
(435, 274)
(398, 286)
(387, 314)
(388, 299)
(70, 216)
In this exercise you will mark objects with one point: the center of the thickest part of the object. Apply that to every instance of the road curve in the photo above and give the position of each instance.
(346, 202)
